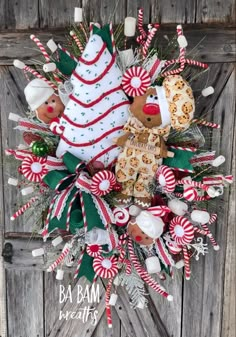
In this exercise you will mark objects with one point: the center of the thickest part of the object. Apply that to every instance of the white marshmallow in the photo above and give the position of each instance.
(208, 91)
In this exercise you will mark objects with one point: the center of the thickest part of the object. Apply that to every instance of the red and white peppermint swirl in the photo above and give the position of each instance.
(34, 168)
(166, 178)
(135, 81)
(102, 183)
(190, 193)
(121, 216)
(181, 230)
(94, 250)
(173, 247)
(105, 267)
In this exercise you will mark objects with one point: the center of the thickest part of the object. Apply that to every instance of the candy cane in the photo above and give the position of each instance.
(212, 219)
(186, 263)
(144, 275)
(62, 256)
(84, 31)
(147, 44)
(22, 66)
(24, 208)
(188, 61)
(77, 41)
(112, 39)
(210, 235)
(107, 299)
(140, 24)
(200, 231)
(205, 123)
(41, 47)
(79, 263)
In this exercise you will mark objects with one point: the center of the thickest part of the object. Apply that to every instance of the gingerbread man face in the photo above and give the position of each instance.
(146, 108)
(138, 235)
(51, 108)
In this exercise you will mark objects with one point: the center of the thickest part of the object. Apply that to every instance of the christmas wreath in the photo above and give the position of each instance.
(115, 159)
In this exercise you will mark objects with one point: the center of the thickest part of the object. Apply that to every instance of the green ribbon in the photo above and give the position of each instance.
(54, 180)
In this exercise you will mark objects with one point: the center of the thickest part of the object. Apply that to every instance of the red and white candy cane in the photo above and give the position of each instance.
(212, 219)
(41, 47)
(107, 299)
(166, 178)
(205, 123)
(64, 253)
(187, 270)
(22, 66)
(188, 61)
(147, 44)
(144, 274)
(143, 34)
(24, 208)
(181, 59)
(210, 235)
(77, 41)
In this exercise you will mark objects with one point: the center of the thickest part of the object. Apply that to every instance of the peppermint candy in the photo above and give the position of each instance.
(94, 250)
(190, 193)
(121, 216)
(181, 230)
(135, 81)
(34, 168)
(166, 178)
(102, 183)
(105, 267)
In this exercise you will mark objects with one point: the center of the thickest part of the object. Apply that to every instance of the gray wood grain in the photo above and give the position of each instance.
(215, 11)
(12, 83)
(165, 11)
(203, 295)
(3, 313)
(25, 303)
(229, 305)
(102, 328)
(210, 43)
(134, 5)
(21, 14)
(56, 13)
(70, 328)
(170, 312)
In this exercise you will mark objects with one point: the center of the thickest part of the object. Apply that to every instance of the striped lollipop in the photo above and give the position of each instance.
(135, 81)
(94, 250)
(166, 178)
(105, 267)
(103, 182)
(34, 168)
(121, 215)
(181, 230)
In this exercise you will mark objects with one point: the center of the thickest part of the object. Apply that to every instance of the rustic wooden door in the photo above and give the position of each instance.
(29, 297)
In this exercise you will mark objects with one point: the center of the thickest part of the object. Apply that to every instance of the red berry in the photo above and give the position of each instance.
(19, 169)
(117, 187)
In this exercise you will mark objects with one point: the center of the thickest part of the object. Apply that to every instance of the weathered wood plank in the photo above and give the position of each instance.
(21, 14)
(52, 306)
(212, 44)
(134, 5)
(70, 328)
(217, 77)
(229, 305)
(170, 312)
(203, 295)
(25, 303)
(165, 11)
(12, 83)
(3, 314)
(215, 11)
(138, 322)
(23, 259)
(102, 328)
(57, 13)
